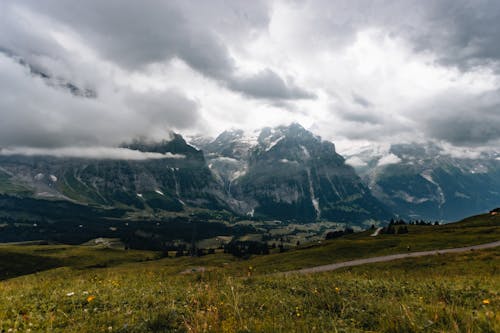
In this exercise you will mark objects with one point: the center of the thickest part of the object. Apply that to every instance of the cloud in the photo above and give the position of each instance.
(360, 100)
(134, 36)
(105, 153)
(36, 114)
(462, 118)
(460, 152)
(384, 71)
(356, 161)
(462, 33)
(268, 84)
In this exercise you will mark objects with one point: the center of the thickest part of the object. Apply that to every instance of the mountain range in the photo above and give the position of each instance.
(427, 181)
(284, 173)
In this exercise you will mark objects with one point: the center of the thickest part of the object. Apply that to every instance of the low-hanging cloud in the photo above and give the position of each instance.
(101, 153)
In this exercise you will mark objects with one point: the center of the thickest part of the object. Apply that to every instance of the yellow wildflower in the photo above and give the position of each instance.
(486, 301)
(90, 298)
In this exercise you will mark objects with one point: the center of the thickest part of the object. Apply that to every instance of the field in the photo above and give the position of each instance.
(92, 289)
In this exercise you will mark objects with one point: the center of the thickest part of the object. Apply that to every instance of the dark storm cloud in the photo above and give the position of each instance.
(462, 33)
(360, 100)
(36, 114)
(166, 107)
(358, 116)
(358, 111)
(133, 35)
(268, 84)
(97, 44)
(462, 119)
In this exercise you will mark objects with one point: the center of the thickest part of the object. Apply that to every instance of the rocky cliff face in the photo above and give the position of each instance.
(182, 178)
(288, 173)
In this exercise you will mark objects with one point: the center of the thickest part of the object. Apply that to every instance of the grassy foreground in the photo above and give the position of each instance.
(446, 293)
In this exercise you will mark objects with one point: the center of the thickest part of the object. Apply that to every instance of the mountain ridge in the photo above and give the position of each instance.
(284, 173)
(424, 181)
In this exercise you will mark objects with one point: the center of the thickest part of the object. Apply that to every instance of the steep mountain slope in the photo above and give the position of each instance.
(425, 181)
(288, 173)
(181, 178)
(283, 173)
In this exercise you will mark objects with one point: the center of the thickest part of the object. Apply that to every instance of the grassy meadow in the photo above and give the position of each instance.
(92, 289)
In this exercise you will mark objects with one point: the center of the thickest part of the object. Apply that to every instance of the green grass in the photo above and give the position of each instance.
(443, 294)
(16, 260)
(103, 290)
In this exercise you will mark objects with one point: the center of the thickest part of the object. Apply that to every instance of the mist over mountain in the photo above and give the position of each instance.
(426, 181)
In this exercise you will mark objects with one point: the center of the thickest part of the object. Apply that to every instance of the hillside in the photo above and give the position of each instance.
(93, 289)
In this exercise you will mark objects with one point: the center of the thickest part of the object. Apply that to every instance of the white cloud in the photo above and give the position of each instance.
(356, 161)
(105, 153)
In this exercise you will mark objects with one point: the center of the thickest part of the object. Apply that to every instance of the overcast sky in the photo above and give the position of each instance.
(96, 73)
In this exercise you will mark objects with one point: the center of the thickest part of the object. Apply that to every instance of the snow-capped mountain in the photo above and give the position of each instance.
(284, 173)
(430, 181)
(288, 173)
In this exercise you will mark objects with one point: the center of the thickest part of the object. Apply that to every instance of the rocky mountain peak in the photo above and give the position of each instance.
(176, 144)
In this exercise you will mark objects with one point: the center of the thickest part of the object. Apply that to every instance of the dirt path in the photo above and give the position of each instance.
(357, 262)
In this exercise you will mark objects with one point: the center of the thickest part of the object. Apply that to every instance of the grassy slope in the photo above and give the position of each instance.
(475, 230)
(444, 293)
(16, 260)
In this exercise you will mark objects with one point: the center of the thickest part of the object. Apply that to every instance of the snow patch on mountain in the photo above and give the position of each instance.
(274, 143)
(314, 200)
(461, 195)
(428, 176)
(239, 173)
(286, 161)
(411, 199)
(388, 159)
(305, 152)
